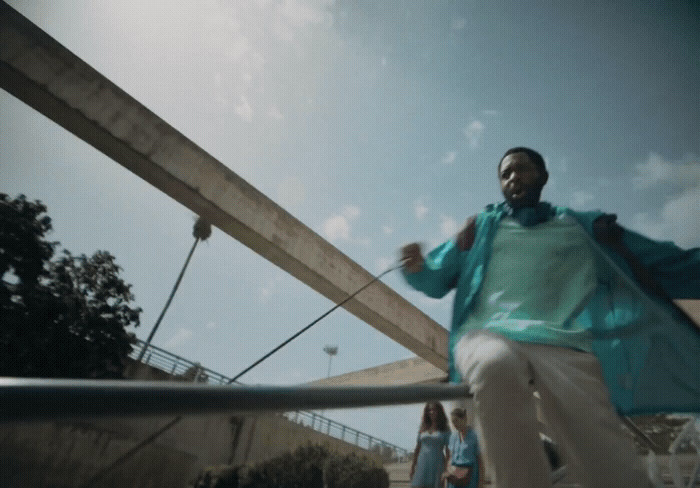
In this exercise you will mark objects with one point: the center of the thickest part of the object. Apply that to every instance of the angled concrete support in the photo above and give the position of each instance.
(48, 77)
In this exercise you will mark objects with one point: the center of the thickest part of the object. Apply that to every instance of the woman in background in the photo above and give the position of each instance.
(465, 468)
(430, 456)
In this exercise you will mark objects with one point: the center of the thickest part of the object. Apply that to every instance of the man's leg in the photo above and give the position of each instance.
(504, 410)
(576, 407)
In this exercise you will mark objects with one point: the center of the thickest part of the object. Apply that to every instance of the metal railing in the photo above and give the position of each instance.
(348, 434)
(178, 366)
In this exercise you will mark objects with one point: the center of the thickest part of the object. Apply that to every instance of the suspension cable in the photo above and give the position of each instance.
(307, 327)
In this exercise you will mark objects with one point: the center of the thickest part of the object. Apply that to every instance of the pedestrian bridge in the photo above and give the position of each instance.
(38, 70)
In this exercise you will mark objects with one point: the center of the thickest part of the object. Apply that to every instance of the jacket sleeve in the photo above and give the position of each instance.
(676, 269)
(440, 271)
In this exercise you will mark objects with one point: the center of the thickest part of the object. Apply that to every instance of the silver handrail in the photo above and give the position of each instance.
(31, 399)
(173, 364)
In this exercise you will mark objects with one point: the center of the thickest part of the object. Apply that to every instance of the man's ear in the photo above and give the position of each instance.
(544, 177)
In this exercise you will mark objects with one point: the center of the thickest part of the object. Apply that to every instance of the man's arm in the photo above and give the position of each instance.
(437, 273)
(609, 233)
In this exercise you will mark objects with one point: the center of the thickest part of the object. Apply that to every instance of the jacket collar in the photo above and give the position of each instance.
(529, 216)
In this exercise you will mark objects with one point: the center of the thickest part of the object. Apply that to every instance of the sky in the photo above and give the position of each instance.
(375, 123)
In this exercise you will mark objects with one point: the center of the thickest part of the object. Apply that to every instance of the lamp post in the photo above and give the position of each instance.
(331, 351)
(201, 232)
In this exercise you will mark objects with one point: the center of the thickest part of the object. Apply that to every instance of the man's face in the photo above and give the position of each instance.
(521, 180)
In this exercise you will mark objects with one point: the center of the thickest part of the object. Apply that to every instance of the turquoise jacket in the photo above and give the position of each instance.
(648, 351)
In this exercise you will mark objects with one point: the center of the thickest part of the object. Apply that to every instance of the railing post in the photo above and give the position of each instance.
(342, 433)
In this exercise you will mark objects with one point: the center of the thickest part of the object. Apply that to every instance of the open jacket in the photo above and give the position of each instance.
(649, 351)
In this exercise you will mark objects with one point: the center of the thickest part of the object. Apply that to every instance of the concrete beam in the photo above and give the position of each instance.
(410, 371)
(49, 78)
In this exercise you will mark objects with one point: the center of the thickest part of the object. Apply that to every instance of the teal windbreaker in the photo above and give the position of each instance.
(648, 351)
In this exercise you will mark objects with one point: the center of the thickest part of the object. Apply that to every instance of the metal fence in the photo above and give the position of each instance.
(179, 366)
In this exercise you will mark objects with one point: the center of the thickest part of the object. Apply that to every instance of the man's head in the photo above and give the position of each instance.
(522, 175)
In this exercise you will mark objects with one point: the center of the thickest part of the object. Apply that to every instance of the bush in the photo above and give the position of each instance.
(353, 471)
(312, 466)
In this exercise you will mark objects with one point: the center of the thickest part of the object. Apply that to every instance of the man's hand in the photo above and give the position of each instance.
(466, 236)
(412, 257)
(607, 231)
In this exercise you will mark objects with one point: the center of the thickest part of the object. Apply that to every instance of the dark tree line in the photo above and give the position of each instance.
(61, 316)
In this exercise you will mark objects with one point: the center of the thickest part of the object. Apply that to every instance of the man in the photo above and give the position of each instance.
(572, 306)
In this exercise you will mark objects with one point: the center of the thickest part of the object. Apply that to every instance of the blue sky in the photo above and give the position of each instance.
(376, 123)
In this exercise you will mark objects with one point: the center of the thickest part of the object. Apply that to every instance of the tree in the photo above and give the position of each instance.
(61, 318)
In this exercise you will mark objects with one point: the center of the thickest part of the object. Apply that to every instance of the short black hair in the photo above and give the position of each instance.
(534, 156)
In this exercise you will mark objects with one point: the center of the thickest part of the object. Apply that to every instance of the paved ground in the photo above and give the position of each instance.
(398, 473)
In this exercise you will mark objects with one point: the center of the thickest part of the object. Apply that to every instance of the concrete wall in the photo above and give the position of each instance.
(134, 453)
(117, 452)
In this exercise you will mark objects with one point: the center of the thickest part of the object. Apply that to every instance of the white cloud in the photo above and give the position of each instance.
(474, 133)
(181, 337)
(274, 113)
(265, 292)
(420, 209)
(458, 23)
(382, 264)
(244, 110)
(653, 171)
(684, 173)
(293, 17)
(291, 192)
(491, 113)
(448, 226)
(677, 220)
(211, 325)
(387, 230)
(449, 157)
(351, 212)
(268, 290)
(336, 228)
(580, 198)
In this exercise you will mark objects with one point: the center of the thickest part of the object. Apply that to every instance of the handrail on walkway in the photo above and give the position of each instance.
(177, 365)
(347, 434)
(29, 399)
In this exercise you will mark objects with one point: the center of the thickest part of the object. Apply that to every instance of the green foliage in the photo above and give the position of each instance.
(353, 471)
(60, 318)
(314, 466)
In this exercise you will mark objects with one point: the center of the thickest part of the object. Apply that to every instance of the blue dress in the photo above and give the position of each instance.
(465, 453)
(431, 458)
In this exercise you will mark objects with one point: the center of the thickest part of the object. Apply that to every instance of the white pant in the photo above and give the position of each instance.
(503, 374)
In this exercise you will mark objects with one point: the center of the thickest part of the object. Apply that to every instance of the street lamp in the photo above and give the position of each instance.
(201, 232)
(331, 351)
